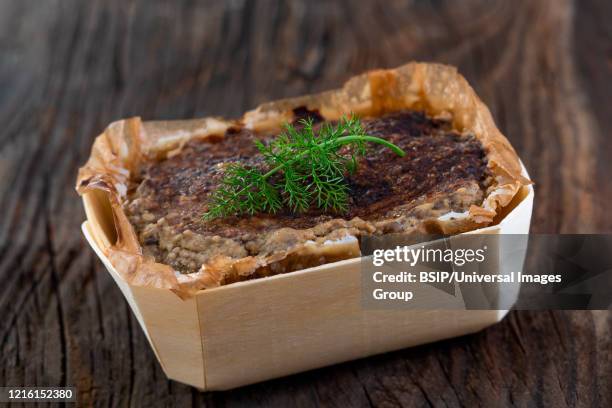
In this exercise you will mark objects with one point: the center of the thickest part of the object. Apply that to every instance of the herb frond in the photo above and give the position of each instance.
(306, 168)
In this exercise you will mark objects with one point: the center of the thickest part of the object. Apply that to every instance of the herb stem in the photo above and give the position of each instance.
(344, 140)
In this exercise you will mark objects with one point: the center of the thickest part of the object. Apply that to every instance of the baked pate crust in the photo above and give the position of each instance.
(126, 147)
(442, 172)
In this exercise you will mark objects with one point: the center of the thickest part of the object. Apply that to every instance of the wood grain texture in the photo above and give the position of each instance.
(68, 68)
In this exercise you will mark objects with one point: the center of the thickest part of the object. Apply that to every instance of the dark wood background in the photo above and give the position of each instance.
(68, 68)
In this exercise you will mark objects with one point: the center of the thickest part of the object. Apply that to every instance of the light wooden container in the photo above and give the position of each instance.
(266, 328)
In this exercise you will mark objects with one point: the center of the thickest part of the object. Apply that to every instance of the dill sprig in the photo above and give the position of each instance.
(309, 170)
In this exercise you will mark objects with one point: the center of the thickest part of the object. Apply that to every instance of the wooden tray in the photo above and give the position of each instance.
(266, 328)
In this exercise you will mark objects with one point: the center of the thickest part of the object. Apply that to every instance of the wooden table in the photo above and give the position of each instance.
(68, 68)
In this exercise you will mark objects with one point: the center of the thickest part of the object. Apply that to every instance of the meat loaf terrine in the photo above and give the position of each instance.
(457, 174)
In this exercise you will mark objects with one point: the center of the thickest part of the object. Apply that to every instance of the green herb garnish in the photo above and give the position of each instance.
(308, 170)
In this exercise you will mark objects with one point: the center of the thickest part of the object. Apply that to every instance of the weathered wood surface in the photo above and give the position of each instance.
(68, 68)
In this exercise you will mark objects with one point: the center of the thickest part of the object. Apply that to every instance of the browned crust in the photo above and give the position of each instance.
(438, 89)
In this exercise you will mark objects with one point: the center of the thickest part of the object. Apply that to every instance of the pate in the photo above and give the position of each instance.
(148, 183)
(444, 172)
